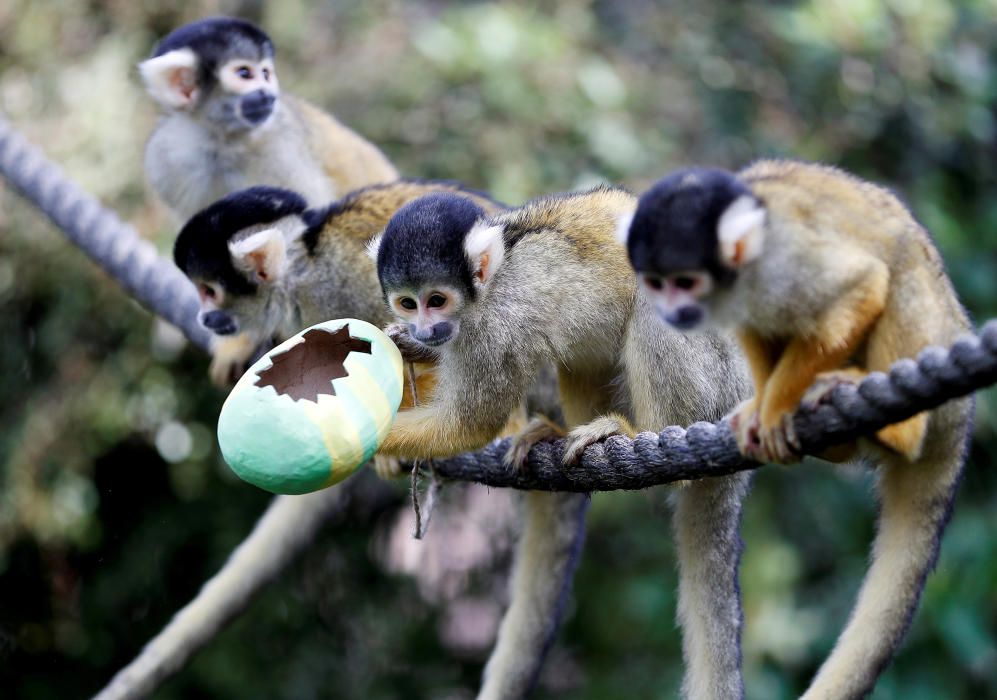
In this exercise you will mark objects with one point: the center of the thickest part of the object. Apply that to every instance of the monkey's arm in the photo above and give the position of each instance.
(229, 355)
(840, 330)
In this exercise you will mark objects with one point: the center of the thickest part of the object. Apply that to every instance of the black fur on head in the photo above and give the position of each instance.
(675, 226)
(423, 243)
(215, 40)
(201, 249)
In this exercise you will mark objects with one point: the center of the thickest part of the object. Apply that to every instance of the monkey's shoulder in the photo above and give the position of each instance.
(348, 159)
(363, 213)
(827, 203)
(582, 218)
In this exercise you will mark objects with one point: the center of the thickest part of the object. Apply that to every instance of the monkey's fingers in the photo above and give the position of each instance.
(744, 423)
(825, 384)
(537, 430)
(387, 468)
(591, 433)
(411, 350)
(779, 443)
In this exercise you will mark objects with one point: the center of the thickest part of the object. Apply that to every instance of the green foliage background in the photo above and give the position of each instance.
(115, 506)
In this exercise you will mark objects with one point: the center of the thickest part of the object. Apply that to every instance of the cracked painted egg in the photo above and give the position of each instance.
(312, 410)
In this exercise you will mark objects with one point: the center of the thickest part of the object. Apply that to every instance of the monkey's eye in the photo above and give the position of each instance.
(266, 74)
(436, 301)
(684, 282)
(653, 282)
(207, 291)
(244, 72)
(408, 303)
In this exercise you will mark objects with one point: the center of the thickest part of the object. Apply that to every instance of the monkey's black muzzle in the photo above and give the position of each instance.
(219, 323)
(434, 336)
(257, 106)
(685, 318)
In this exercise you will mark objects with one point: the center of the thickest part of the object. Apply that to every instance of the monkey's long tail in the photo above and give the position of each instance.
(546, 557)
(707, 524)
(916, 502)
(284, 530)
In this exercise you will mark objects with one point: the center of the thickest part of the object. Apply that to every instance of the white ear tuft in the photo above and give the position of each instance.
(484, 246)
(623, 226)
(740, 231)
(374, 246)
(261, 255)
(171, 79)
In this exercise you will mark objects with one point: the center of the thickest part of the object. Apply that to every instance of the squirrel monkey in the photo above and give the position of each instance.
(226, 125)
(266, 265)
(825, 278)
(499, 297)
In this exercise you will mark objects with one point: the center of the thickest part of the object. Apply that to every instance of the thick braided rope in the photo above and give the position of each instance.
(148, 277)
(709, 449)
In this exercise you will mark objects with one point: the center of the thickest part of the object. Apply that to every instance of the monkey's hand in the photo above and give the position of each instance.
(411, 350)
(744, 423)
(826, 382)
(592, 432)
(387, 467)
(537, 430)
(229, 357)
(778, 440)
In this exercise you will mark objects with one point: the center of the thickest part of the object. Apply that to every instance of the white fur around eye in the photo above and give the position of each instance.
(484, 246)
(171, 79)
(374, 246)
(623, 226)
(740, 231)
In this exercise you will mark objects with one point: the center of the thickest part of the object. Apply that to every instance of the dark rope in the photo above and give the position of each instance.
(704, 449)
(709, 449)
(131, 260)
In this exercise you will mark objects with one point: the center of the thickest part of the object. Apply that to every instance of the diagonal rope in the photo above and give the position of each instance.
(149, 278)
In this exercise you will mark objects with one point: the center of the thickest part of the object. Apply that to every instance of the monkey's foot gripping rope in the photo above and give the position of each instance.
(709, 449)
(155, 282)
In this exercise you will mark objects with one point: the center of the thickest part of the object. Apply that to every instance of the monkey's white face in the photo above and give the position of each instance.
(240, 76)
(432, 314)
(214, 314)
(251, 90)
(680, 298)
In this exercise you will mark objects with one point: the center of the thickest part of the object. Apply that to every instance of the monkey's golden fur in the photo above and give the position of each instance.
(847, 283)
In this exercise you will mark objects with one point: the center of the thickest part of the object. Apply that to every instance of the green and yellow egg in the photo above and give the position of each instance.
(312, 410)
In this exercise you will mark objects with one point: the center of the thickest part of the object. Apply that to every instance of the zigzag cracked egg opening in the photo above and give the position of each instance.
(312, 410)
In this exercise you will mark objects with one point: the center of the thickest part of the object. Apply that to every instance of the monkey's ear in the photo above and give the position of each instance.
(373, 246)
(623, 222)
(485, 249)
(171, 79)
(260, 256)
(740, 231)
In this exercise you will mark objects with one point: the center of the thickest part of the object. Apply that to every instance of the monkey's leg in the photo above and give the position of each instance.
(840, 330)
(905, 437)
(916, 504)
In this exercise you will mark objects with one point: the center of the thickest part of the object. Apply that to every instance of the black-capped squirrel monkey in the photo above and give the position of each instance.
(496, 298)
(227, 126)
(266, 265)
(825, 278)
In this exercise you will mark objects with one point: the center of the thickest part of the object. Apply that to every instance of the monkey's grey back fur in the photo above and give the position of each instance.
(191, 167)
